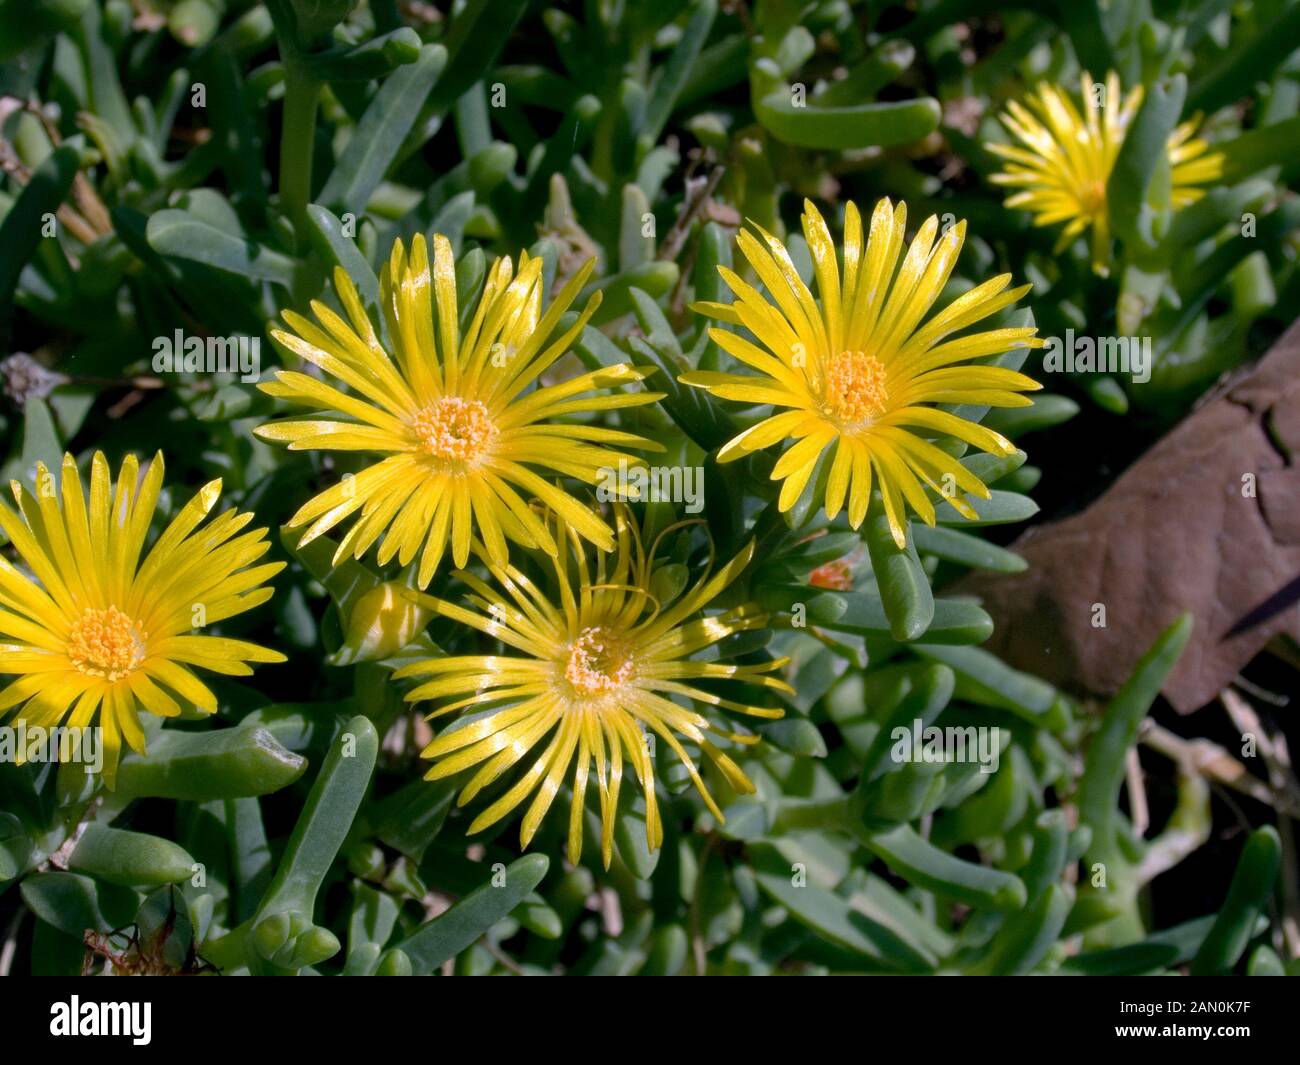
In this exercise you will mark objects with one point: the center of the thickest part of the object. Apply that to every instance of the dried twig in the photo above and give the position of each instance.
(90, 220)
(1140, 812)
(1186, 830)
(504, 958)
(698, 192)
(1216, 764)
(1277, 761)
(10, 946)
(1262, 694)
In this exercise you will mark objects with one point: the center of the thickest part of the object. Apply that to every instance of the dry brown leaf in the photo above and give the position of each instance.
(1180, 530)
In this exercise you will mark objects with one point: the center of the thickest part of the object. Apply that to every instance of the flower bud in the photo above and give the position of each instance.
(381, 624)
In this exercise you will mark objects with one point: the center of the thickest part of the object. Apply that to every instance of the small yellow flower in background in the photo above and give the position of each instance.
(1067, 158)
(101, 630)
(454, 413)
(856, 367)
(595, 670)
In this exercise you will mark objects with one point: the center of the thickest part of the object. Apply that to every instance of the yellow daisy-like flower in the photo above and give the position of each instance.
(455, 414)
(596, 669)
(857, 370)
(101, 630)
(1067, 158)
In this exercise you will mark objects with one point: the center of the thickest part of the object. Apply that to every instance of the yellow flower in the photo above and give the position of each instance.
(1066, 161)
(101, 630)
(856, 368)
(454, 413)
(597, 673)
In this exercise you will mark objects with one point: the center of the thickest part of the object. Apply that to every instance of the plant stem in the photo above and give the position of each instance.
(297, 143)
(227, 951)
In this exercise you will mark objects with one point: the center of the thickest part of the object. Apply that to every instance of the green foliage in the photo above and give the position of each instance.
(212, 167)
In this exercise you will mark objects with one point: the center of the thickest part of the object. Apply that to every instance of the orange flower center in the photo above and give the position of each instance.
(855, 387)
(455, 429)
(1092, 197)
(105, 643)
(598, 662)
